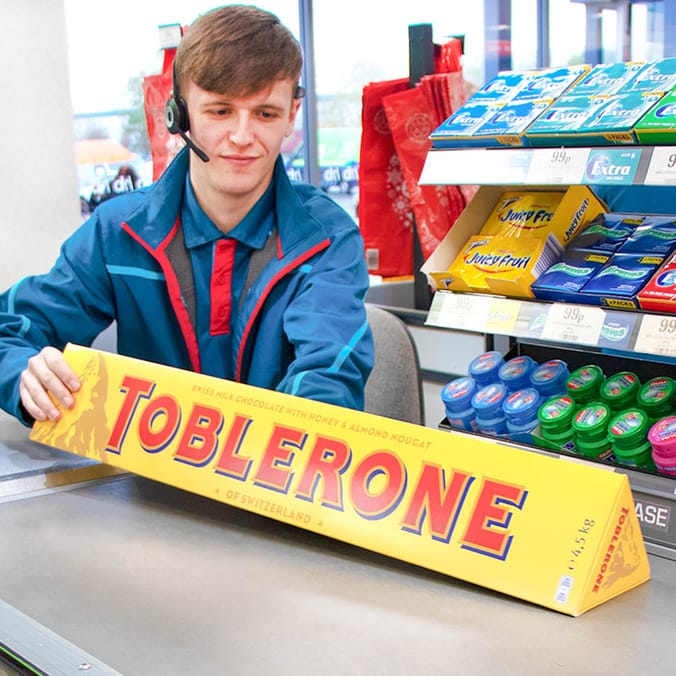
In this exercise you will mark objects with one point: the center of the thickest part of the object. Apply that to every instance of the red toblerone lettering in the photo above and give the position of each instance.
(427, 502)
(158, 423)
(370, 501)
(487, 532)
(230, 463)
(610, 551)
(135, 389)
(374, 487)
(328, 461)
(274, 472)
(199, 440)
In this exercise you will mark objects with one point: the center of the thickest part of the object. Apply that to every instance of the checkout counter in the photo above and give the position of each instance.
(103, 572)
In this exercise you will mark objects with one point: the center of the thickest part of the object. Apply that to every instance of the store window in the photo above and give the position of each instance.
(112, 46)
(359, 42)
(612, 30)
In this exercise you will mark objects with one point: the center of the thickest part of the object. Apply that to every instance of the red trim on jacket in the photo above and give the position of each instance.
(174, 291)
(220, 291)
(266, 292)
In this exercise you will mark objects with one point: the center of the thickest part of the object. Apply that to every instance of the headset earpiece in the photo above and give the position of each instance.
(176, 115)
(175, 109)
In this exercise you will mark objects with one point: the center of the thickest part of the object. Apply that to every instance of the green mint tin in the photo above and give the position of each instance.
(620, 390)
(590, 429)
(584, 383)
(657, 398)
(555, 416)
(628, 436)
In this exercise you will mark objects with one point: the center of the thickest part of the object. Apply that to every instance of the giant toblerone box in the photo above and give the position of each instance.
(553, 532)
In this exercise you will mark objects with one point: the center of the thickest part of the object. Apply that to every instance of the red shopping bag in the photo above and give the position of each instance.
(385, 213)
(412, 116)
(156, 90)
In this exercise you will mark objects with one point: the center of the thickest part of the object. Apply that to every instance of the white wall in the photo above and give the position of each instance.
(39, 203)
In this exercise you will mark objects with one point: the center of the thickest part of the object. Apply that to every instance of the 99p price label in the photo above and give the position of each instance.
(460, 311)
(560, 166)
(657, 335)
(574, 324)
(662, 168)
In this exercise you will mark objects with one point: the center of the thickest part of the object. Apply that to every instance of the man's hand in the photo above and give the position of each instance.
(47, 378)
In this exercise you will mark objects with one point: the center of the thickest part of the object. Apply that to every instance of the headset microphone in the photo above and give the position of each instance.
(177, 120)
(195, 148)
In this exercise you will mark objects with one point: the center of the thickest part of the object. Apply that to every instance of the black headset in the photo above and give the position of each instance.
(177, 119)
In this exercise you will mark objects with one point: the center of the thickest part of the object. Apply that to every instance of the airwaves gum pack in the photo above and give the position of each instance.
(655, 235)
(607, 232)
(563, 280)
(619, 281)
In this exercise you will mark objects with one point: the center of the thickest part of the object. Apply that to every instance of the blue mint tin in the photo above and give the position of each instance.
(515, 373)
(457, 397)
(485, 368)
(549, 379)
(487, 405)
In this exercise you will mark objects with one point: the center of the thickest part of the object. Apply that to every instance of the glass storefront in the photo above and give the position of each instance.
(113, 46)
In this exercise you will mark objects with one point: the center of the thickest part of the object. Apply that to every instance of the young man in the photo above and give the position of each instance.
(222, 266)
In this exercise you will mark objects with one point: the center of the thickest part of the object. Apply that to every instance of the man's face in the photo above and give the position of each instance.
(241, 136)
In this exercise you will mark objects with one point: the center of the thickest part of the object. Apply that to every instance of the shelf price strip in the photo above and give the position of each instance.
(574, 324)
(662, 167)
(560, 166)
(462, 312)
(502, 316)
(657, 335)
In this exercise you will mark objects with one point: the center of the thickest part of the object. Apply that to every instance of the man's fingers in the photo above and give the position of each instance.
(47, 381)
(36, 401)
(57, 365)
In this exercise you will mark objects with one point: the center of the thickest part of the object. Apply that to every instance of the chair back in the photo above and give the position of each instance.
(394, 388)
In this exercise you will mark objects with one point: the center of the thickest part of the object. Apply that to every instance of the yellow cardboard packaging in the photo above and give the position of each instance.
(578, 206)
(560, 534)
(503, 265)
(525, 214)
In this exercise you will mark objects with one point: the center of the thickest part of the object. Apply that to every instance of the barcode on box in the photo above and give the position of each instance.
(563, 591)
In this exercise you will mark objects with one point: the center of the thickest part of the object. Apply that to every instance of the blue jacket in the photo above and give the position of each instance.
(302, 327)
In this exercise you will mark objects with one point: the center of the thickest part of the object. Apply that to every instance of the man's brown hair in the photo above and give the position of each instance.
(237, 50)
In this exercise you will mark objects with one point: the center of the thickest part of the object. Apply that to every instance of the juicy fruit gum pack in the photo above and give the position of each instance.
(523, 214)
(522, 237)
(503, 265)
